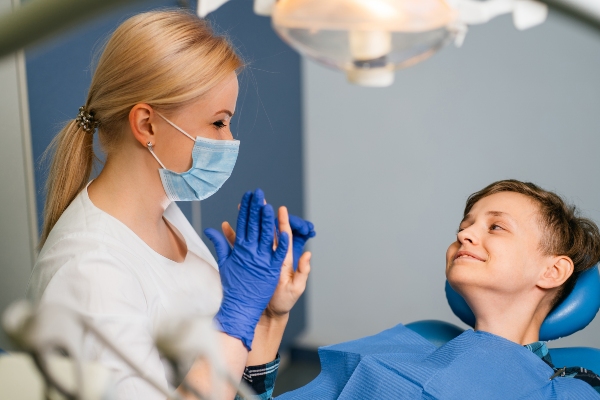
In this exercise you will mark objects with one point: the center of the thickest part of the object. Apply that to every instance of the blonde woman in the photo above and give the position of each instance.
(119, 250)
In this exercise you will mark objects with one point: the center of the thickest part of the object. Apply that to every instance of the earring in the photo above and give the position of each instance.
(150, 145)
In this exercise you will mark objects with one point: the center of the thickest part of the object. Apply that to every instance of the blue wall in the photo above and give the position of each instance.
(268, 118)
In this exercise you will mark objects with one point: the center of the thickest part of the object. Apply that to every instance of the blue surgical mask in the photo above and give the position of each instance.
(212, 164)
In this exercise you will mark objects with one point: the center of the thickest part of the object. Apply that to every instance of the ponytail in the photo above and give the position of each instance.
(70, 171)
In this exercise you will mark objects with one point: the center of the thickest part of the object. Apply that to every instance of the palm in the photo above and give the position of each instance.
(287, 291)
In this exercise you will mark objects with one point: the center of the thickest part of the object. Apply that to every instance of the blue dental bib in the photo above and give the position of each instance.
(400, 364)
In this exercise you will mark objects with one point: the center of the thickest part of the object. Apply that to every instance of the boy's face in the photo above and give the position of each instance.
(497, 247)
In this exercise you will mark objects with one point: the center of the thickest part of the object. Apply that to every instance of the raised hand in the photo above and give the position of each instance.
(295, 269)
(250, 271)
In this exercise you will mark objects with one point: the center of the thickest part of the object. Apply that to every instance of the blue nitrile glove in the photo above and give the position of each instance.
(302, 230)
(250, 271)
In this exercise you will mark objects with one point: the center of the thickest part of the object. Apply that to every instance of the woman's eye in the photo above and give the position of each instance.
(459, 230)
(219, 124)
(495, 227)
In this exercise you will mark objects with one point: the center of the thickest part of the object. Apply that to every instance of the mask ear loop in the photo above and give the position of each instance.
(151, 148)
(175, 126)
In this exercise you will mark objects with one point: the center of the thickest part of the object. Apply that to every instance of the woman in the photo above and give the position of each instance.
(518, 252)
(119, 250)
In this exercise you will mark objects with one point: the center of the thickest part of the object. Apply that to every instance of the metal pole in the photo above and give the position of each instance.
(37, 19)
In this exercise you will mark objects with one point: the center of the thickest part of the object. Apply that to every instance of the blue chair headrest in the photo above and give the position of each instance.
(572, 315)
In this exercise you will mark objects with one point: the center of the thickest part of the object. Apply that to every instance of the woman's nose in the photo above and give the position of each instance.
(228, 135)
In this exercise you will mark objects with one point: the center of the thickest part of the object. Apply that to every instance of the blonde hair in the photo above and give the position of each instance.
(163, 58)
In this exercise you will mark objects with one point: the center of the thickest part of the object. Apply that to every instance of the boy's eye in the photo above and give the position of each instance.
(219, 124)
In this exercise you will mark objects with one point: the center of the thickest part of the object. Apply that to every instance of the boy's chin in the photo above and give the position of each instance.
(461, 279)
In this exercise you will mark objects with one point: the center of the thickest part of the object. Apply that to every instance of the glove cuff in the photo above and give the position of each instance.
(237, 325)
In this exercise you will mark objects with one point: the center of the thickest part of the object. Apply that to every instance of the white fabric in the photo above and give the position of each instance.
(95, 264)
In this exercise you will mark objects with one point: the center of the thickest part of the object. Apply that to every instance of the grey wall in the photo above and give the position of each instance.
(388, 170)
(18, 234)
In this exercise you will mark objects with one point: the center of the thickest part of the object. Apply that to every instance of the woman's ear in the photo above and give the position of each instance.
(557, 272)
(141, 118)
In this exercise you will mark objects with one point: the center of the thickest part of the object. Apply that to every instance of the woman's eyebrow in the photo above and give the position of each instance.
(225, 112)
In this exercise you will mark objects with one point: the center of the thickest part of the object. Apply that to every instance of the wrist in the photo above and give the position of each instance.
(267, 338)
(270, 318)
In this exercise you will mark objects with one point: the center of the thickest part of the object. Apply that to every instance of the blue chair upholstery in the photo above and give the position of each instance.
(572, 315)
(586, 357)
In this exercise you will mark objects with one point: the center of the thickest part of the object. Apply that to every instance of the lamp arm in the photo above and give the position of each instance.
(37, 19)
(574, 12)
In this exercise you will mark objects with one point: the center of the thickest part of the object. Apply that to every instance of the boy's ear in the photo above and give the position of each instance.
(557, 272)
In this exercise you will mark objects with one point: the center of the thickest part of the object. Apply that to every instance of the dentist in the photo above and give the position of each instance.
(120, 251)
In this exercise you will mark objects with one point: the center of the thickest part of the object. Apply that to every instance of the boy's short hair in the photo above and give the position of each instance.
(565, 232)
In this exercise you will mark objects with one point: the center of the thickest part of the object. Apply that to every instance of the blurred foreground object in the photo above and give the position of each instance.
(52, 335)
(49, 335)
(37, 19)
(20, 379)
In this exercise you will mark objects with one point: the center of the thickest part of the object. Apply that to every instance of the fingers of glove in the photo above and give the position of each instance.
(282, 249)
(221, 246)
(299, 226)
(302, 227)
(254, 219)
(267, 230)
(228, 232)
(242, 221)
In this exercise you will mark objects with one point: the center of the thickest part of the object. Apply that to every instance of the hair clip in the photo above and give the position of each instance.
(86, 120)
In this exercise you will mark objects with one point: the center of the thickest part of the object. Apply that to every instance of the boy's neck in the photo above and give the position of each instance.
(518, 320)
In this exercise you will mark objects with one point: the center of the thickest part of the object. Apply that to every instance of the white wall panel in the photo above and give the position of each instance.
(18, 226)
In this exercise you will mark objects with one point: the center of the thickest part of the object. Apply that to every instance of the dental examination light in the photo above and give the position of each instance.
(52, 335)
(367, 39)
(370, 39)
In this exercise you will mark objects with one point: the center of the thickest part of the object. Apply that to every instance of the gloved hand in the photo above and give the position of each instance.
(250, 271)
(302, 230)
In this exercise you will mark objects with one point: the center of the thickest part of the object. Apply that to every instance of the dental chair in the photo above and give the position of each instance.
(401, 362)
(572, 315)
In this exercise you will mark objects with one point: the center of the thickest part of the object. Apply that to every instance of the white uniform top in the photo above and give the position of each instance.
(95, 264)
